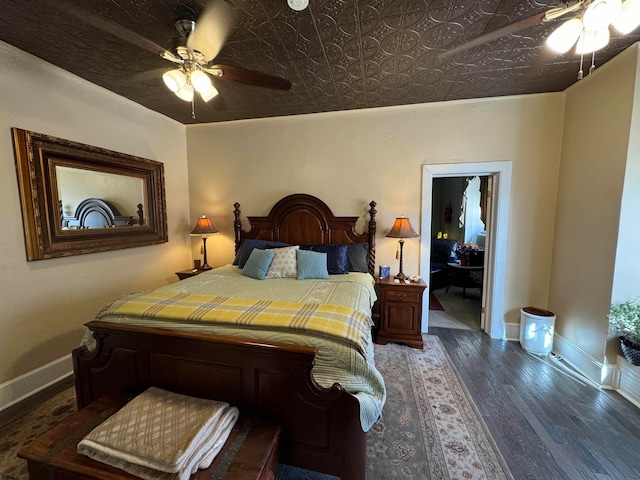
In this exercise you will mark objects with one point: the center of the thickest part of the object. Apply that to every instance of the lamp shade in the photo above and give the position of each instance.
(204, 226)
(600, 13)
(402, 229)
(629, 17)
(174, 80)
(209, 94)
(565, 36)
(200, 81)
(185, 93)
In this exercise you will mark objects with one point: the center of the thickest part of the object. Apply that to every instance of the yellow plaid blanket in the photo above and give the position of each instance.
(335, 321)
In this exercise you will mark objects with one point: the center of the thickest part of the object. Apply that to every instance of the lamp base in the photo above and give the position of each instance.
(400, 276)
(205, 267)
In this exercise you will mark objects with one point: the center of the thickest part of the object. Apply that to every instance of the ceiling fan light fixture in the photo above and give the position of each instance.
(200, 81)
(592, 41)
(185, 93)
(601, 13)
(565, 36)
(174, 80)
(629, 17)
(209, 94)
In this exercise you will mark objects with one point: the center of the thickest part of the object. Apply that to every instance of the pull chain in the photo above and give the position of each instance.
(193, 107)
(581, 73)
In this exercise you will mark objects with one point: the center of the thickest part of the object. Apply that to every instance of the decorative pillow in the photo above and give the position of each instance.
(358, 257)
(258, 263)
(312, 264)
(249, 244)
(336, 257)
(284, 264)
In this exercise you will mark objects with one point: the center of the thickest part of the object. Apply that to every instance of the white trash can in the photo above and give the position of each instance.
(536, 330)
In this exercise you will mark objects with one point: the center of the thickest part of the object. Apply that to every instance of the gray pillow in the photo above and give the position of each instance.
(358, 257)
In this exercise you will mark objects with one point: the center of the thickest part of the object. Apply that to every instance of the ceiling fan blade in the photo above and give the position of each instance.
(250, 77)
(496, 34)
(109, 26)
(212, 29)
(547, 15)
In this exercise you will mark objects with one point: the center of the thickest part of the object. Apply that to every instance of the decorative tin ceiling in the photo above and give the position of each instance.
(338, 54)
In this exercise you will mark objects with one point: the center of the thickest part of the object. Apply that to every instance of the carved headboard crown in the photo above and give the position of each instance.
(301, 219)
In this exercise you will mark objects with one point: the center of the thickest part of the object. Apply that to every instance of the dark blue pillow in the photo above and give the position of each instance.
(247, 246)
(336, 257)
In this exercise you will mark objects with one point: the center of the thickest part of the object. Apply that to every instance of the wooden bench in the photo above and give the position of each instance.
(250, 452)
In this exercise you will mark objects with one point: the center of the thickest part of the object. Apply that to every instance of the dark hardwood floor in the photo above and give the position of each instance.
(547, 424)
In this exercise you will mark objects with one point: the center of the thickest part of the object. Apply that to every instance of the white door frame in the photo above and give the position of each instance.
(497, 240)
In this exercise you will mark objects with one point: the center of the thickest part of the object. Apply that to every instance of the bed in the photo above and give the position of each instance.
(324, 426)
(97, 213)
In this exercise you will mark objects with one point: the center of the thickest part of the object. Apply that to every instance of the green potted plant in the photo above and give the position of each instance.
(624, 322)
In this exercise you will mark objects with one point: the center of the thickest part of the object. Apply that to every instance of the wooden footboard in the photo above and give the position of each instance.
(321, 428)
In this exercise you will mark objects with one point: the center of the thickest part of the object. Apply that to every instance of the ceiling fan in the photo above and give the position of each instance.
(201, 43)
(587, 28)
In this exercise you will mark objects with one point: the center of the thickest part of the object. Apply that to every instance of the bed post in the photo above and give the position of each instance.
(237, 225)
(372, 238)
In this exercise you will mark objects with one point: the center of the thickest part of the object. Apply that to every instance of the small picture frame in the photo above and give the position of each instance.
(384, 271)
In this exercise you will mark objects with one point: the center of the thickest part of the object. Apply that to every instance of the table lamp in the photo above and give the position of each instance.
(204, 227)
(401, 229)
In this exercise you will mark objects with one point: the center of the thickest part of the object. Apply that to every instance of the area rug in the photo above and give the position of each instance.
(430, 428)
(434, 303)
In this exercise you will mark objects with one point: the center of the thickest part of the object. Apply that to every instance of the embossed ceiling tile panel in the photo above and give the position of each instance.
(338, 54)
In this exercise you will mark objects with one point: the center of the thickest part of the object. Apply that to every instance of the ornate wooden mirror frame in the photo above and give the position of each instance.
(46, 230)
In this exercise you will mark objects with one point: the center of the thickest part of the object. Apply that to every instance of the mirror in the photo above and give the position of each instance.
(80, 199)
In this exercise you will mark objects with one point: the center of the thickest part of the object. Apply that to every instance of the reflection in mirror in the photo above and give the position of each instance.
(91, 199)
(78, 199)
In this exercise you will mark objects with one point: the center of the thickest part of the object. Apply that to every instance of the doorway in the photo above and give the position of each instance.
(495, 244)
(458, 232)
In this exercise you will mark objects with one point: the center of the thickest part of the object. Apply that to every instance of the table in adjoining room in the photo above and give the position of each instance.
(465, 276)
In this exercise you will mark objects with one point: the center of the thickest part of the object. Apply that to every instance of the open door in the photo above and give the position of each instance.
(488, 253)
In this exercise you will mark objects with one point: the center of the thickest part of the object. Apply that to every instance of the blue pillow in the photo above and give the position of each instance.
(258, 263)
(247, 246)
(336, 257)
(312, 264)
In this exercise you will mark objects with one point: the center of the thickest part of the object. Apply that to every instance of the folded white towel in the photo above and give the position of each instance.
(161, 435)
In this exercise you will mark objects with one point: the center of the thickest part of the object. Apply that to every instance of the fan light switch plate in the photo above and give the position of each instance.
(298, 5)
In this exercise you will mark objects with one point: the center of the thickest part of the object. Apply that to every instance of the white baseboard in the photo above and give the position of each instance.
(512, 332)
(600, 374)
(32, 382)
(629, 381)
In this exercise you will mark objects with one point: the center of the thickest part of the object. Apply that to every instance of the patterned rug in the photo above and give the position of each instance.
(430, 428)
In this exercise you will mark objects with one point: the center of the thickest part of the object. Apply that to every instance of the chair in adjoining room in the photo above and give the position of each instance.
(441, 251)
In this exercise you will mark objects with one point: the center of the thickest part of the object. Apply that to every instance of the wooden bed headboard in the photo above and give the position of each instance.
(97, 213)
(301, 219)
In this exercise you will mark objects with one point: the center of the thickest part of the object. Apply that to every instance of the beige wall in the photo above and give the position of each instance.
(43, 304)
(350, 158)
(594, 159)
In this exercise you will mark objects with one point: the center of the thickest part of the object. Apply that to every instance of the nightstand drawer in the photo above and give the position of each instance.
(402, 296)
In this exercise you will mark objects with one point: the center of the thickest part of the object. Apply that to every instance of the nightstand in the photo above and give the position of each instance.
(188, 273)
(400, 312)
